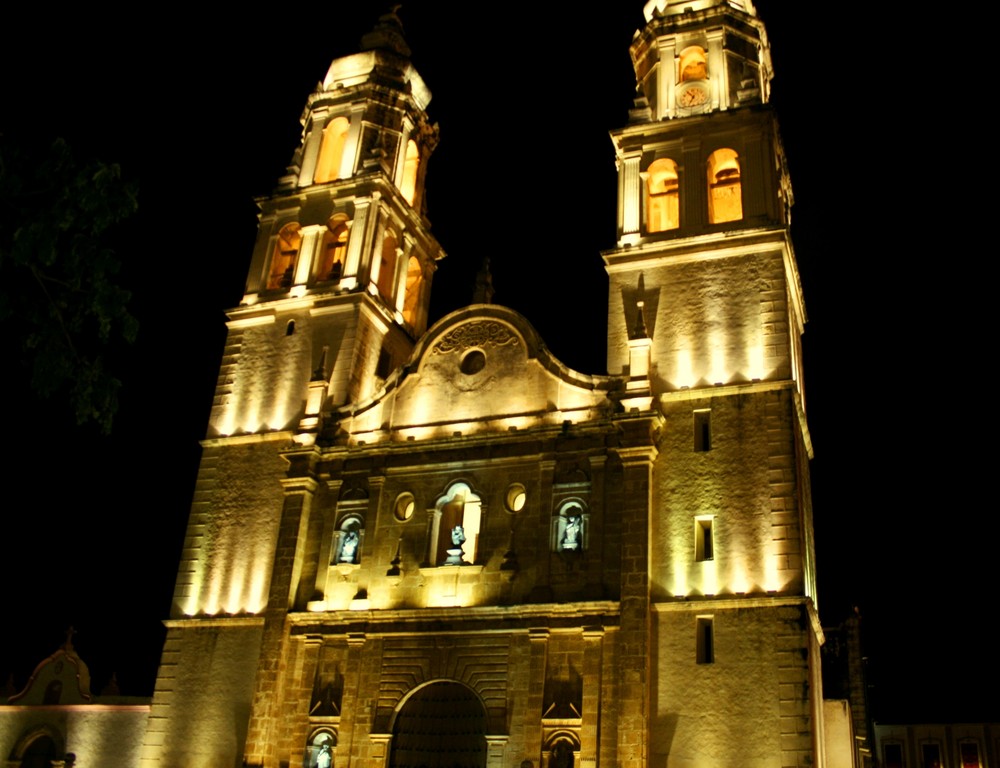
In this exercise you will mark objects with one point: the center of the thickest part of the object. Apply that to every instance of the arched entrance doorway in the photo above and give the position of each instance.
(442, 725)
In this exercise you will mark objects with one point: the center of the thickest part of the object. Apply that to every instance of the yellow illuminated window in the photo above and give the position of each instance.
(414, 285)
(408, 185)
(387, 269)
(331, 151)
(334, 251)
(725, 195)
(693, 64)
(662, 196)
(286, 250)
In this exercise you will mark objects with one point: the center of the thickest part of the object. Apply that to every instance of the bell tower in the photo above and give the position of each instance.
(336, 297)
(705, 318)
(344, 256)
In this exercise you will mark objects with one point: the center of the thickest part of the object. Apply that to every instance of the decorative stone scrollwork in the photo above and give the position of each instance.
(487, 333)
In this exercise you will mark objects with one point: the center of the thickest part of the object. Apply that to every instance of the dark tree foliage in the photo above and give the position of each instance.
(61, 304)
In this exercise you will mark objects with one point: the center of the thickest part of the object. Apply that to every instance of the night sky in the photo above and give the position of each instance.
(525, 95)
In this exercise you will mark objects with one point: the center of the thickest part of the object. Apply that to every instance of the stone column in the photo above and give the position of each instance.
(592, 645)
(288, 556)
(637, 452)
(535, 700)
(353, 707)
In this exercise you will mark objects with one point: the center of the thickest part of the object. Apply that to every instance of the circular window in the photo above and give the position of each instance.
(404, 507)
(473, 362)
(516, 497)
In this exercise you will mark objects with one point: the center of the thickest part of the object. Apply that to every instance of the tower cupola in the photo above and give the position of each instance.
(698, 56)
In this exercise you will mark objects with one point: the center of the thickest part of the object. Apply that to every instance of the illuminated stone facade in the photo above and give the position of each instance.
(414, 546)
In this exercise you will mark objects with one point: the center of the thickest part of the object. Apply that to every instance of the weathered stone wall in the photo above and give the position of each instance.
(201, 704)
(228, 549)
(712, 320)
(747, 482)
(751, 705)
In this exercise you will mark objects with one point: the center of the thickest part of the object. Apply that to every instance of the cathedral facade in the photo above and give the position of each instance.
(437, 545)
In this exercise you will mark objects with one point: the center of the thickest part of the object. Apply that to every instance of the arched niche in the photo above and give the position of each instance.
(457, 522)
(570, 527)
(321, 749)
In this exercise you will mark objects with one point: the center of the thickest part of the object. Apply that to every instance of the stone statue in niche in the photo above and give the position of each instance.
(325, 758)
(349, 548)
(571, 534)
(457, 540)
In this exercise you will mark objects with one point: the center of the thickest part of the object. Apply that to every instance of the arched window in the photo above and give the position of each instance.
(408, 184)
(414, 286)
(570, 528)
(286, 250)
(459, 517)
(322, 745)
(386, 282)
(662, 196)
(693, 64)
(725, 196)
(331, 151)
(334, 250)
(347, 547)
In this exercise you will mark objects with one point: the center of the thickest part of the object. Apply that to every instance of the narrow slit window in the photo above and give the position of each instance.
(703, 430)
(706, 640)
(704, 538)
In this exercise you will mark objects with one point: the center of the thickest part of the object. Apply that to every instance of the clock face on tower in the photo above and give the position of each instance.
(692, 95)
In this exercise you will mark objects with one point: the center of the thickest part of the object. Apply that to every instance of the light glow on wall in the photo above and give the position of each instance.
(738, 580)
(709, 577)
(684, 376)
(718, 370)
